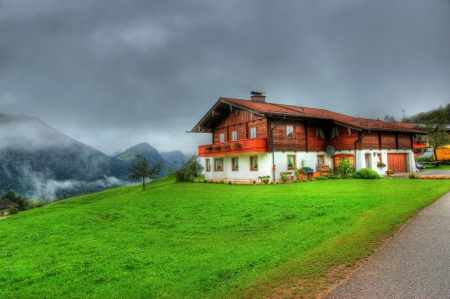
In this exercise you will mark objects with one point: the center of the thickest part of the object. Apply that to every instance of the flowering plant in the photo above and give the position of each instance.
(381, 164)
(389, 171)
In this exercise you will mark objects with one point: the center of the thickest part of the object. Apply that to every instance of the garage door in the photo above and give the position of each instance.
(397, 162)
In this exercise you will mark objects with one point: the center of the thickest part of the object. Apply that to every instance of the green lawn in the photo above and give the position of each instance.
(432, 167)
(202, 240)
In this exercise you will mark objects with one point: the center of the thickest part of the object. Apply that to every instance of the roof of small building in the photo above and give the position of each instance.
(280, 110)
(6, 203)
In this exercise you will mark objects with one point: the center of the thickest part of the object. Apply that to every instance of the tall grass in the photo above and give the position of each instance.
(184, 240)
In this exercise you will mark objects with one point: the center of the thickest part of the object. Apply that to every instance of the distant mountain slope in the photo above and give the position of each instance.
(40, 162)
(177, 156)
(144, 149)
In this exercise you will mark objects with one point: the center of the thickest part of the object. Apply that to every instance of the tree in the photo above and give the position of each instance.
(141, 170)
(191, 168)
(435, 127)
(389, 118)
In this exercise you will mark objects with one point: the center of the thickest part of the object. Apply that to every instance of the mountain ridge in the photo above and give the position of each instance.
(38, 161)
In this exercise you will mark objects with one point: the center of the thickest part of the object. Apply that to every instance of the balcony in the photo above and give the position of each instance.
(254, 145)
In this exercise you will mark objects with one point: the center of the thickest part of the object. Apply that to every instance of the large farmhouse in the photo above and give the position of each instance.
(252, 138)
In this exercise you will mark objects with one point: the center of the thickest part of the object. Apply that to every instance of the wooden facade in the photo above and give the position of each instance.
(306, 136)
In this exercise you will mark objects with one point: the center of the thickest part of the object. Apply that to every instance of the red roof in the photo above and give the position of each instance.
(362, 123)
(272, 109)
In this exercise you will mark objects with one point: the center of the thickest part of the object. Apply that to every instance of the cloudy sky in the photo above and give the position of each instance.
(114, 73)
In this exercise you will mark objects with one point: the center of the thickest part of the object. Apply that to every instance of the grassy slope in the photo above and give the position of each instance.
(201, 240)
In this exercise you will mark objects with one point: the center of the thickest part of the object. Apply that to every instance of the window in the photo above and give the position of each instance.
(320, 159)
(254, 163)
(290, 131)
(208, 164)
(335, 132)
(252, 132)
(218, 164)
(235, 163)
(291, 161)
(236, 112)
(222, 137)
(234, 135)
(319, 133)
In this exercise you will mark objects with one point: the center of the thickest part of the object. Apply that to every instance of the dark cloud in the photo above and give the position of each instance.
(116, 73)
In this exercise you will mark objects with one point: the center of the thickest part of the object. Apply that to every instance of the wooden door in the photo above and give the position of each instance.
(397, 162)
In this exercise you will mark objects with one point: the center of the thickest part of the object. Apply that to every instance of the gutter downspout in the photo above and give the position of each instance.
(273, 153)
(359, 139)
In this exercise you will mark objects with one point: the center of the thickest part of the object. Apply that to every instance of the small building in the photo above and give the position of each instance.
(5, 204)
(253, 138)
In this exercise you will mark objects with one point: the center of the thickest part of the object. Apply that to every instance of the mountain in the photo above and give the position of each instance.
(144, 149)
(38, 161)
(152, 156)
(175, 156)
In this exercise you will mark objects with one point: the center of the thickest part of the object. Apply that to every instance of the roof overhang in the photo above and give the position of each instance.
(217, 112)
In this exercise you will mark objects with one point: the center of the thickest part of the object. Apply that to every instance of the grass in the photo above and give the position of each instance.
(184, 240)
(429, 167)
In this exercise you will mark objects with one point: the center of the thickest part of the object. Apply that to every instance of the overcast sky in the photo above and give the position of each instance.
(115, 73)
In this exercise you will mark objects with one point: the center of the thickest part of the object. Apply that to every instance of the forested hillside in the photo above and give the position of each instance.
(40, 162)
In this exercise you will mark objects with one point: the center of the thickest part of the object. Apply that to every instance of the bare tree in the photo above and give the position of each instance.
(141, 170)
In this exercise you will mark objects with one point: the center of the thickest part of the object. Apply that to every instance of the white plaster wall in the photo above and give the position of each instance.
(244, 173)
(310, 158)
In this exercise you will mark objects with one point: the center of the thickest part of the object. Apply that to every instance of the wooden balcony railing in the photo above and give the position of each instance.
(254, 145)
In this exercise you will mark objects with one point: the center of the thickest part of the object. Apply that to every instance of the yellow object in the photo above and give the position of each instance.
(443, 152)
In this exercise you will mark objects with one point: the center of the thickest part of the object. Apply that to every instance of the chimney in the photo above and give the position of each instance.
(258, 97)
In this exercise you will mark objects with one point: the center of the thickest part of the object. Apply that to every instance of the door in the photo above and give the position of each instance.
(397, 162)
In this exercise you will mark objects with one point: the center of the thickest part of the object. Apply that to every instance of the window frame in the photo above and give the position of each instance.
(319, 133)
(335, 132)
(253, 130)
(253, 158)
(320, 159)
(208, 164)
(233, 164)
(222, 137)
(234, 135)
(294, 160)
(216, 162)
(292, 132)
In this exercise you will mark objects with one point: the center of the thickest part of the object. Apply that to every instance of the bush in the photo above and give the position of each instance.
(345, 167)
(265, 180)
(366, 173)
(420, 159)
(412, 176)
(284, 177)
(13, 210)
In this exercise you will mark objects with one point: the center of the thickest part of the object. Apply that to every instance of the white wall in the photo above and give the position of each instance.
(310, 158)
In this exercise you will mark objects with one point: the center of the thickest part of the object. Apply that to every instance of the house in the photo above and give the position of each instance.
(252, 138)
(4, 206)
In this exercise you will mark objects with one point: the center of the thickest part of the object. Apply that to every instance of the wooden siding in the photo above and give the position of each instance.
(285, 143)
(305, 134)
(404, 141)
(344, 141)
(371, 141)
(314, 143)
(242, 124)
(388, 141)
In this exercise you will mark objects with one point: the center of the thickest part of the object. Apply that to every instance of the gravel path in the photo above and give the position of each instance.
(414, 264)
